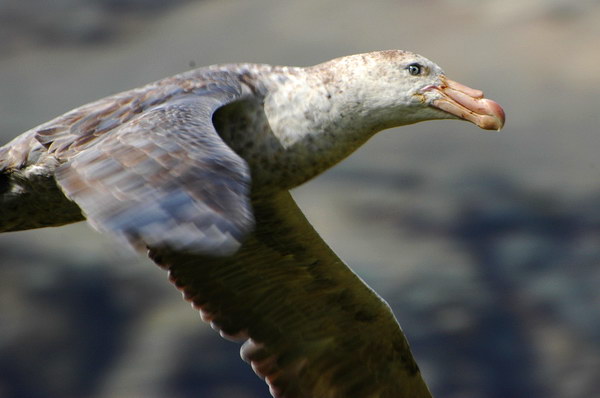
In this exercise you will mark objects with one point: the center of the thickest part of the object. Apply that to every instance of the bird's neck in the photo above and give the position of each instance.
(315, 121)
(314, 107)
(294, 124)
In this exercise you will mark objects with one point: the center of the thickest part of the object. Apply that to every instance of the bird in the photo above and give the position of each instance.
(194, 170)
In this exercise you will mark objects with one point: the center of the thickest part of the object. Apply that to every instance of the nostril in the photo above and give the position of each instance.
(431, 87)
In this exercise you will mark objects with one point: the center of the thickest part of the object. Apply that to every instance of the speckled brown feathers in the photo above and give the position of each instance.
(163, 176)
(313, 328)
(164, 179)
(78, 129)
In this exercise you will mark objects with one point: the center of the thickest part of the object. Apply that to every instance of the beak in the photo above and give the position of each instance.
(468, 104)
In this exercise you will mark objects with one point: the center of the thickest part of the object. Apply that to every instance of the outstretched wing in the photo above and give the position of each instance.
(313, 329)
(164, 177)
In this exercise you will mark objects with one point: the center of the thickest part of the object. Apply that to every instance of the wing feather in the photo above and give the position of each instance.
(163, 177)
(312, 327)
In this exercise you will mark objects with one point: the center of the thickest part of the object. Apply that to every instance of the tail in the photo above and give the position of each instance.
(29, 195)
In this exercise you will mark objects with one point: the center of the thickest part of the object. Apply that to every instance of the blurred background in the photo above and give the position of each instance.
(486, 245)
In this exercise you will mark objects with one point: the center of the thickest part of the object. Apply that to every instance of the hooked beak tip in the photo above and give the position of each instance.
(469, 104)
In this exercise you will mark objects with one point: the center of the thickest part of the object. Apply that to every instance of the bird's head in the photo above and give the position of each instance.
(397, 88)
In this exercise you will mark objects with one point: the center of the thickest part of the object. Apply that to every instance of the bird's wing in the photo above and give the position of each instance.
(164, 177)
(313, 329)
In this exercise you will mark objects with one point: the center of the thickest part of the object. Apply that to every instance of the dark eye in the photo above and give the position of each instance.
(415, 69)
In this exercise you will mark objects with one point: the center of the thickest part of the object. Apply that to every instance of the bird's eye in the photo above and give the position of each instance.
(415, 69)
